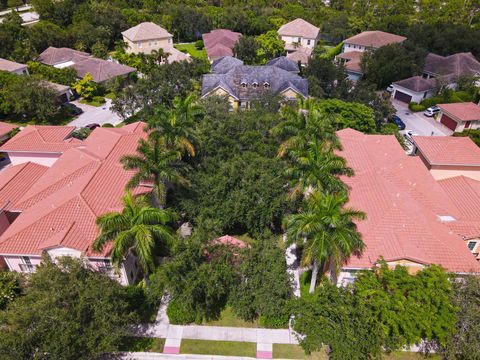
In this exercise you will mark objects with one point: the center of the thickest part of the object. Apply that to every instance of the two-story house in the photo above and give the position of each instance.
(300, 37)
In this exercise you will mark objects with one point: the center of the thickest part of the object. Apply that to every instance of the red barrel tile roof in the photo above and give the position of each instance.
(447, 150)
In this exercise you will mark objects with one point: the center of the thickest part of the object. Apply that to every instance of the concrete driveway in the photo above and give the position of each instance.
(419, 123)
(95, 115)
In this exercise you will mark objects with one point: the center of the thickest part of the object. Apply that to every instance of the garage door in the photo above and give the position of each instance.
(402, 96)
(448, 122)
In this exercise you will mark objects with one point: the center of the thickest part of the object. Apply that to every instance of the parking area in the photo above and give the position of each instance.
(419, 123)
(95, 115)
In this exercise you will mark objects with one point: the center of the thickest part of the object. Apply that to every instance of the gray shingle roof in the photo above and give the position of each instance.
(455, 65)
(417, 83)
(284, 63)
(277, 80)
(225, 64)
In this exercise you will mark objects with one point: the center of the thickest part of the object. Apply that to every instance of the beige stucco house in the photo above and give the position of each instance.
(300, 37)
(147, 37)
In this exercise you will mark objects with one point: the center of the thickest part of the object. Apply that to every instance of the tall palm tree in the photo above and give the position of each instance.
(304, 124)
(176, 125)
(328, 232)
(155, 162)
(135, 230)
(317, 167)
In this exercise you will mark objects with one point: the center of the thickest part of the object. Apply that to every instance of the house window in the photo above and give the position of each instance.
(425, 94)
(308, 42)
(471, 245)
(27, 265)
(354, 46)
(140, 45)
(266, 85)
(255, 84)
(169, 41)
(244, 84)
(149, 44)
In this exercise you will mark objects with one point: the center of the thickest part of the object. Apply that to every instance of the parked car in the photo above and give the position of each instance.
(408, 135)
(72, 108)
(92, 126)
(398, 122)
(431, 111)
(390, 88)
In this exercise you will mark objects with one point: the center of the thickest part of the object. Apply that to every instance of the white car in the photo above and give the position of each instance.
(408, 135)
(431, 111)
(390, 88)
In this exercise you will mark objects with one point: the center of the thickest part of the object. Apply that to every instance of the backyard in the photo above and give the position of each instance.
(192, 50)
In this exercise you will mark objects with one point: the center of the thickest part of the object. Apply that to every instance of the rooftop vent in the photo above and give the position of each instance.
(446, 218)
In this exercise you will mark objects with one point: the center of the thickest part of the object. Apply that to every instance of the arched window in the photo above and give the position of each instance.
(266, 85)
(255, 84)
(244, 84)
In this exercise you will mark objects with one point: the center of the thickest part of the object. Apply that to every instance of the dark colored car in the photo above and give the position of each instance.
(72, 109)
(92, 126)
(398, 122)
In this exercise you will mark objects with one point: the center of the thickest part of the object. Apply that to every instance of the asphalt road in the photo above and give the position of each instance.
(95, 115)
(419, 123)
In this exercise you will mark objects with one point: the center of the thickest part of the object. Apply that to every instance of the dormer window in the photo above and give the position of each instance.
(244, 84)
(266, 85)
(255, 84)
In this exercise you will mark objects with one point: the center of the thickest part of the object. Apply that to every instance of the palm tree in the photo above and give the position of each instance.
(176, 125)
(304, 124)
(157, 163)
(317, 167)
(328, 232)
(135, 230)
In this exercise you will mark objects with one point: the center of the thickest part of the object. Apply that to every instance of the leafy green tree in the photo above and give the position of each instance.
(99, 50)
(349, 115)
(137, 230)
(338, 319)
(326, 78)
(198, 279)
(66, 76)
(10, 287)
(271, 46)
(246, 49)
(68, 312)
(409, 308)
(155, 162)
(392, 63)
(327, 231)
(265, 287)
(85, 87)
(462, 344)
(14, 4)
(45, 33)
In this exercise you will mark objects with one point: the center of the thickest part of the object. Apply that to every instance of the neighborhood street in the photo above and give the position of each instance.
(95, 115)
(419, 123)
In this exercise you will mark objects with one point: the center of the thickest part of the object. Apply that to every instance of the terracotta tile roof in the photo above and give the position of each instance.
(417, 84)
(53, 56)
(462, 111)
(39, 138)
(454, 65)
(220, 42)
(375, 39)
(176, 55)
(15, 180)
(61, 208)
(5, 128)
(229, 240)
(301, 54)
(403, 204)
(146, 31)
(11, 66)
(300, 28)
(447, 150)
(354, 60)
(464, 192)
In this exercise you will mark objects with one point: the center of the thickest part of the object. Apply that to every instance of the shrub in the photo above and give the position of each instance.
(432, 101)
(10, 287)
(464, 96)
(108, 125)
(199, 44)
(473, 134)
(415, 107)
(179, 314)
(98, 99)
(274, 322)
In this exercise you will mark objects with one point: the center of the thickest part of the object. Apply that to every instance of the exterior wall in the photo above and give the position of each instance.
(439, 172)
(305, 42)
(16, 263)
(46, 159)
(23, 71)
(416, 96)
(4, 223)
(146, 47)
(352, 47)
(460, 124)
(290, 94)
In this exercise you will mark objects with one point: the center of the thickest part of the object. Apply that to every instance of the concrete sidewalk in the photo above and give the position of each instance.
(155, 356)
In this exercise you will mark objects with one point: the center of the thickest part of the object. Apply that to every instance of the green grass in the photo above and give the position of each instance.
(192, 50)
(305, 283)
(139, 344)
(287, 351)
(228, 318)
(110, 95)
(225, 348)
(91, 103)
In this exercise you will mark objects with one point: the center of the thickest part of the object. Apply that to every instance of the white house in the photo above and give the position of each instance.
(414, 89)
(299, 36)
(13, 67)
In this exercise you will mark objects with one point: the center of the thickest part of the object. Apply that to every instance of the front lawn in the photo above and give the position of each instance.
(225, 348)
(140, 344)
(228, 318)
(92, 102)
(192, 50)
(289, 351)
